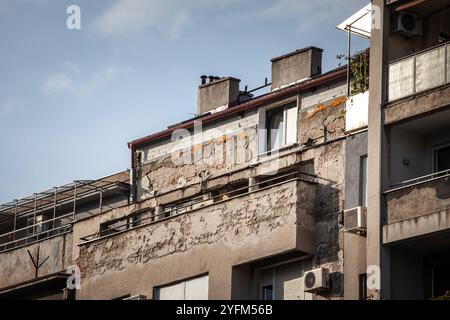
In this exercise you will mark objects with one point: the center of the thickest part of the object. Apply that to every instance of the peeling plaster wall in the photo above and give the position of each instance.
(421, 103)
(211, 239)
(328, 162)
(16, 266)
(233, 143)
(215, 239)
(417, 201)
(170, 164)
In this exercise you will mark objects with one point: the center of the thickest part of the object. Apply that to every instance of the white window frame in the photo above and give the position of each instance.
(183, 283)
(272, 267)
(287, 105)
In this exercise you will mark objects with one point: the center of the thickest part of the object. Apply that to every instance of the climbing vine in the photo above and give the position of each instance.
(359, 67)
(359, 71)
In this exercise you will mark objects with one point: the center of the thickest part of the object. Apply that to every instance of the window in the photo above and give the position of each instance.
(119, 225)
(280, 126)
(283, 281)
(267, 292)
(193, 289)
(442, 159)
(363, 286)
(363, 182)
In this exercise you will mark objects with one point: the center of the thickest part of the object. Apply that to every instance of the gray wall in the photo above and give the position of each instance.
(355, 148)
(354, 244)
(406, 275)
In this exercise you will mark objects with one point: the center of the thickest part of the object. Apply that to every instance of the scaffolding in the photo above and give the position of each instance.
(52, 212)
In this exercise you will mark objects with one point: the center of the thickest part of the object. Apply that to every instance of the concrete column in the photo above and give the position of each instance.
(252, 184)
(377, 256)
(159, 210)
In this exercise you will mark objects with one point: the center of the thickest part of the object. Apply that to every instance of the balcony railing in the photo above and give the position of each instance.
(420, 72)
(154, 217)
(36, 232)
(420, 180)
(419, 197)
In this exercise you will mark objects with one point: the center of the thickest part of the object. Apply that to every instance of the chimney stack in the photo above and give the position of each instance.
(299, 65)
(203, 79)
(218, 93)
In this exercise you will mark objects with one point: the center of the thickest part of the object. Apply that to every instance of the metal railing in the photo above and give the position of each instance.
(420, 180)
(35, 232)
(167, 214)
(417, 73)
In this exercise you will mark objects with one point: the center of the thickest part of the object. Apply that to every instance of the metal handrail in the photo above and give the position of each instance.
(154, 217)
(36, 225)
(7, 246)
(420, 180)
(418, 53)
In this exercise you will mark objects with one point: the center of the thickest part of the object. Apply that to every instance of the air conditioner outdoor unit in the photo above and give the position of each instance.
(355, 219)
(316, 280)
(408, 24)
(137, 297)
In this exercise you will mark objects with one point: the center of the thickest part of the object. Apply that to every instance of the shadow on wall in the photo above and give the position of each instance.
(328, 231)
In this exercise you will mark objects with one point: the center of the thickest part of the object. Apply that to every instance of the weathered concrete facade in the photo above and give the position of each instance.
(229, 236)
(208, 240)
(227, 200)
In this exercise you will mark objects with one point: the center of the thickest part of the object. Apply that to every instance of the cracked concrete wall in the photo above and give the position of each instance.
(16, 266)
(421, 103)
(233, 143)
(168, 165)
(207, 240)
(417, 201)
(328, 162)
(211, 239)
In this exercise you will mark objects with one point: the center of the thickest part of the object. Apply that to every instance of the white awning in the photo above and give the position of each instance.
(360, 23)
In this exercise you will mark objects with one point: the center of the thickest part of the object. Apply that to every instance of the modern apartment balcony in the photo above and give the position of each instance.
(418, 207)
(270, 218)
(419, 164)
(418, 84)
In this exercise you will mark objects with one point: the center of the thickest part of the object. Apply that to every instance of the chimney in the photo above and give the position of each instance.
(298, 65)
(218, 93)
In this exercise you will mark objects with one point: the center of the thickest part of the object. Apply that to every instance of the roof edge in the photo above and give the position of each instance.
(332, 75)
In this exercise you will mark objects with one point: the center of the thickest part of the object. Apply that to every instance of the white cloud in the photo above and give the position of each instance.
(168, 17)
(9, 107)
(171, 17)
(57, 83)
(132, 15)
(307, 13)
(71, 81)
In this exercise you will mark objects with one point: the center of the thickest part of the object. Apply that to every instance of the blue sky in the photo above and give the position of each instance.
(70, 100)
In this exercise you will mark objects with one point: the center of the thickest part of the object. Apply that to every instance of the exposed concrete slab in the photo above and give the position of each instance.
(416, 227)
(415, 105)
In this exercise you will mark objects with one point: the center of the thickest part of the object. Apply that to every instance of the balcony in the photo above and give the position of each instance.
(269, 218)
(418, 207)
(419, 168)
(418, 73)
(51, 213)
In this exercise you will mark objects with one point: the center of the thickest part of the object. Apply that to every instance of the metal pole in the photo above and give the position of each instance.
(74, 201)
(54, 207)
(15, 220)
(34, 213)
(101, 201)
(349, 52)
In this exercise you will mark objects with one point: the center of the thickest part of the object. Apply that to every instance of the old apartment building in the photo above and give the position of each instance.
(321, 187)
